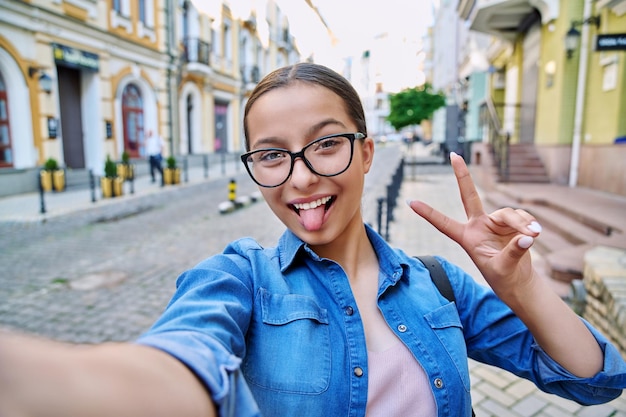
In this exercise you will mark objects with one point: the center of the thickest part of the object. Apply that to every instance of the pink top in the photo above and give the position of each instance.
(398, 385)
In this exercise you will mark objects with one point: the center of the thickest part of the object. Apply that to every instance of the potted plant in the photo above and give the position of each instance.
(52, 177)
(125, 169)
(111, 184)
(171, 172)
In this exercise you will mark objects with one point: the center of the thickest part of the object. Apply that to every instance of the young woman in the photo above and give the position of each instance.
(332, 321)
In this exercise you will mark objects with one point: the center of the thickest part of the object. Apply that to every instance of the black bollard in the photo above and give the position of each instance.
(205, 163)
(186, 169)
(92, 186)
(42, 203)
(379, 214)
(223, 159)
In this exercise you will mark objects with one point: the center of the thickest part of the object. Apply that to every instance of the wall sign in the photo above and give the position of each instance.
(75, 58)
(108, 129)
(611, 42)
(53, 128)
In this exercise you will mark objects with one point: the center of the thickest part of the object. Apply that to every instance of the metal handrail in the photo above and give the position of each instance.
(499, 139)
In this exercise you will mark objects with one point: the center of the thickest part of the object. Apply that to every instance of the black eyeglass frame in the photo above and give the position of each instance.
(350, 136)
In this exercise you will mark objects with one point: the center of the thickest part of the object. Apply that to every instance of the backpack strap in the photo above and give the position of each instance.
(438, 275)
(440, 278)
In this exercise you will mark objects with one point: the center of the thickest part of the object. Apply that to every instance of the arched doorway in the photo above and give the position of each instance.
(6, 149)
(133, 120)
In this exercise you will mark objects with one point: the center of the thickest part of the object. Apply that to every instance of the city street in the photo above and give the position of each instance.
(106, 274)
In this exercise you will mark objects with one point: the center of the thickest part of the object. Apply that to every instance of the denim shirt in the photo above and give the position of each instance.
(277, 332)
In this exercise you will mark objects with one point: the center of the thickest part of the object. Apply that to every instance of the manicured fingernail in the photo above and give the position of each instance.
(408, 202)
(452, 154)
(535, 227)
(525, 241)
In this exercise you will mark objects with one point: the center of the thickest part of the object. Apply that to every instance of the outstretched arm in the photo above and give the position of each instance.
(499, 243)
(45, 378)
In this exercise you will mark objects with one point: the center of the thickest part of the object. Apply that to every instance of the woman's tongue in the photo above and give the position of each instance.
(312, 219)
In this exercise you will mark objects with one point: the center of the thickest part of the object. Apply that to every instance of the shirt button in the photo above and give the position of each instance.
(358, 372)
(349, 311)
(438, 382)
(402, 328)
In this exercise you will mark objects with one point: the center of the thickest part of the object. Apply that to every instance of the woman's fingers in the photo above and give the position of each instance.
(469, 196)
(443, 223)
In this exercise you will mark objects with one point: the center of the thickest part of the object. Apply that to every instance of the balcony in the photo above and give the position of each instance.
(196, 55)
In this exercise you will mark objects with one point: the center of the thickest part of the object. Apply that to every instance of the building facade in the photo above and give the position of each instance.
(558, 78)
(81, 80)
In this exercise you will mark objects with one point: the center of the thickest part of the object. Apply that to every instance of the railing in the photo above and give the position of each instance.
(196, 50)
(499, 139)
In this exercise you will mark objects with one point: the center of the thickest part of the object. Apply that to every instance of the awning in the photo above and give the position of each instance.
(503, 18)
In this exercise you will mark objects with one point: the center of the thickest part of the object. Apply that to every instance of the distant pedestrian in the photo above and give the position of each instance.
(331, 320)
(154, 150)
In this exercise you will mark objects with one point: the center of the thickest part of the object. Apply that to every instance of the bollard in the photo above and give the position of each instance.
(186, 170)
(92, 185)
(205, 163)
(379, 215)
(232, 190)
(42, 208)
(223, 160)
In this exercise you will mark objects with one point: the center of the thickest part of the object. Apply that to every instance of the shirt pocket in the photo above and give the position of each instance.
(288, 344)
(447, 326)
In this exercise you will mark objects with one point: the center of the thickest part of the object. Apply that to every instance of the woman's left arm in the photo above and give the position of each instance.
(499, 243)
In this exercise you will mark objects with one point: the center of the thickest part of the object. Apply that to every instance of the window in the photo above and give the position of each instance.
(142, 11)
(6, 151)
(132, 116)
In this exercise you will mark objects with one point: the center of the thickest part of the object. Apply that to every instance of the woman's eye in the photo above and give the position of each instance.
(271, 156)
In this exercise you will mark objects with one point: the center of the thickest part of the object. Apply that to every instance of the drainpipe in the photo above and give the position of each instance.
(580, 96)
(169, 42)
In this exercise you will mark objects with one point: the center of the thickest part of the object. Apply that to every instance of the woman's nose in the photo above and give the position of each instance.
(301, 175)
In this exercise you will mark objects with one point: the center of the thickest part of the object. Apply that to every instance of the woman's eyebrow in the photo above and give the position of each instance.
(320, 125)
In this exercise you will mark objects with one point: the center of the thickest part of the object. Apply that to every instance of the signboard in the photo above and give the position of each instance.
(108, 129)
(53, 127)
(611, 42)
(75, 58)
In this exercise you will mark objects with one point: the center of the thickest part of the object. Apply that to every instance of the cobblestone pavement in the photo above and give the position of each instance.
(106, 274)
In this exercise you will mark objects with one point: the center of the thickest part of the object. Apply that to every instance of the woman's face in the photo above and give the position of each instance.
(317, 209)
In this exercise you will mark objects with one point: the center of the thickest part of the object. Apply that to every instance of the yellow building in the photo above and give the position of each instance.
(568, 101)
(81, 80)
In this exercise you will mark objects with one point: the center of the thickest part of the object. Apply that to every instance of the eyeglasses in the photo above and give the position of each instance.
(327, 156)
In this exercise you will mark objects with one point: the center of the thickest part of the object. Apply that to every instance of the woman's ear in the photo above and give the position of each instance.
(368, 153)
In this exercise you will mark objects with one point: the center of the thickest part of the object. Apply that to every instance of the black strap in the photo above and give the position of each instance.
(440, 278)
(438, 275)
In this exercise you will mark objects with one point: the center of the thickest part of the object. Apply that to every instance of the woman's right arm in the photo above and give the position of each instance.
(46, 378)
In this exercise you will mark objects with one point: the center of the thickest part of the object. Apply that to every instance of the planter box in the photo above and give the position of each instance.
(171, 176)
(126, 171)
(52, 180)
(112, 187)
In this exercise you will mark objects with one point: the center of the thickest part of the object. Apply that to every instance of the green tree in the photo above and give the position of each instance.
(412, 105)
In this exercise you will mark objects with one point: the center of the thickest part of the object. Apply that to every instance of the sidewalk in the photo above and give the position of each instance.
(28, 207)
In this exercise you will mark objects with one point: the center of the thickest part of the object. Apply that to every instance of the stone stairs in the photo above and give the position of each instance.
(567, 234)
(574, 220)
(525, 165)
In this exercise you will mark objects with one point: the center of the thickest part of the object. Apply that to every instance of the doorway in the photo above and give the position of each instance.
(71, 117)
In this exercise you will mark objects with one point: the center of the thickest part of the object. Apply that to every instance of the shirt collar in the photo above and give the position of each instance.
(392, 264)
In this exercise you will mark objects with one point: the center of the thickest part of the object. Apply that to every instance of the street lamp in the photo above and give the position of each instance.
(45, 81)
(572, 37)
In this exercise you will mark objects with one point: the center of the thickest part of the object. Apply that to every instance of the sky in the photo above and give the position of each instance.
(335, 30)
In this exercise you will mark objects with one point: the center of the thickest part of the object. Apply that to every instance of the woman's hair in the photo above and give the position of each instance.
(312, 74)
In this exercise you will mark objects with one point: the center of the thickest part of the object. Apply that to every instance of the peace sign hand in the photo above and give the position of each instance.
(498, 243)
